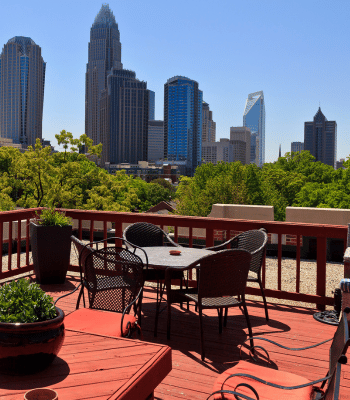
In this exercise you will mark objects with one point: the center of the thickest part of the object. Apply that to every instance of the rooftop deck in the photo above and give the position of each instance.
(192, 379)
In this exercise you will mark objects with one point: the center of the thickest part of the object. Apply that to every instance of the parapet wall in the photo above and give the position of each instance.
(332, 216)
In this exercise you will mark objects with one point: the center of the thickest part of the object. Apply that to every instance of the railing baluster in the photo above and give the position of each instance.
(92, 230)
(27, 241)
(1, 242)
(19, 241)
(9, 252)
(297, 288)
(209, 237)
(321, 269)
(176, 234)
(190, 238)
(279, 270)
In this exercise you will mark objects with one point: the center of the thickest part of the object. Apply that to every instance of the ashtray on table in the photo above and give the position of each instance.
(174, 252)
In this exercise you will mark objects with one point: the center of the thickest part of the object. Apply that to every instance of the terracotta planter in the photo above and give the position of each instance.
(26, 348)
(51, 252)
(41, 394)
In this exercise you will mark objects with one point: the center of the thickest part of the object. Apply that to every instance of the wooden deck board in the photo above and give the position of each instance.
(191, 378)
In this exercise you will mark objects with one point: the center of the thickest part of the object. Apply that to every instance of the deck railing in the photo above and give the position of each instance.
(104, 220)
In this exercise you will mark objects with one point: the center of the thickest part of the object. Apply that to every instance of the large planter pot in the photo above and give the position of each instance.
(26, 348)
(51, 252)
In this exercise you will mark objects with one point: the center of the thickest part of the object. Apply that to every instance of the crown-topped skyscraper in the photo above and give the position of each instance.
(104, 54)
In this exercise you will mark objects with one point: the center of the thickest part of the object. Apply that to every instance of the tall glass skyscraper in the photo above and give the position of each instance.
(22, 81)
(152, 105)
(254, 118)
(183, 123)
(104, 54)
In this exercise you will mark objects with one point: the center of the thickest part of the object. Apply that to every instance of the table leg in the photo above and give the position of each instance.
(168, 299)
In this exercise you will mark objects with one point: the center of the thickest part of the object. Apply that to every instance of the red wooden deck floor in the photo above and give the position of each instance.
(191, 378)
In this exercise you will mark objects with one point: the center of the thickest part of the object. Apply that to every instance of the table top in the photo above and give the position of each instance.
(160, 257)
(99, 367)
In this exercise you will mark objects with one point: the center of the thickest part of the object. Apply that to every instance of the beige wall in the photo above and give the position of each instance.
(332, 216)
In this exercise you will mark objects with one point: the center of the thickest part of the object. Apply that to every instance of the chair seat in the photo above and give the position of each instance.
(215, 302)
(265, 392)
(99, 322)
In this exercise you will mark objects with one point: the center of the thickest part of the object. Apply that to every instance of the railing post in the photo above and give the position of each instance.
(347, 257)
(321, 270)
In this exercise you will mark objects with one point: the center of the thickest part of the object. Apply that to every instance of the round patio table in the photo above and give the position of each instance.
(160, 258)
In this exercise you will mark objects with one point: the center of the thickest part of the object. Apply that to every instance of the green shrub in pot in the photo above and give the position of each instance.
(50, 235)
(31, 328)
(25, 302)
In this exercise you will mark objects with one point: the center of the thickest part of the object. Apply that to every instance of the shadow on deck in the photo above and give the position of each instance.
(191, 378)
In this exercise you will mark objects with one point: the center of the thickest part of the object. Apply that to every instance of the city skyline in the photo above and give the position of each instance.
(267, 48)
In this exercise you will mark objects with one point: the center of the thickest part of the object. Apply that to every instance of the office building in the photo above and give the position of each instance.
(320, 138)
(124, 118)
(22, 81)
(155, 140)
(254, 118)
(104, 54)
(340, 164)
(208, 125)
(242, 133)
(225, 150)
(297, 146)
(152, 104)
(183, 123)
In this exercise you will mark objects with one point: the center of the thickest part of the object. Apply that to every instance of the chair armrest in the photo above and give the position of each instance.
(285, 347)
(236, 394)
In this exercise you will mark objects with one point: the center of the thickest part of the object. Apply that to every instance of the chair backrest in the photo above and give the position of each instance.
(144, 234)
(255, 242)
(337, 355)
(83, 251)
(113, 277)
(224, 273)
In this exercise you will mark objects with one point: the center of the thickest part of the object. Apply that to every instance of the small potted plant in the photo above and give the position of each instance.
(50, 240)
(31, 328)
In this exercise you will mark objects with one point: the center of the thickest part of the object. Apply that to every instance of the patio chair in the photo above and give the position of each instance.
(255, 242)
(144, 234)
(266, 384)
(113, 278)
(219, 285)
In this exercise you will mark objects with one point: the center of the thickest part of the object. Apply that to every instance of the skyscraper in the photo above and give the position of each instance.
(124, 118)
(320, 138)
(242, 133)
(152, 104)
(155, 140)
(208, 125)
(254, 118)
(104, 54)
(296, 146)
(183, 123)
(22, 81)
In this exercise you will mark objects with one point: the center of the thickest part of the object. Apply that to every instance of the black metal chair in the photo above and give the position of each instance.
(144, 234)
(219, 285)
(246, 379)
(113, 279)
(255, 242)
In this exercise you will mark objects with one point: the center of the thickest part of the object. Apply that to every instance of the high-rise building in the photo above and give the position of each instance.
(104, 54)
(254, 118)
(242, 133)
(152, 104)
(320, 138)
(22, 81)
(225, 150)
(297, 146)
(155, 140)
(183, 123)
(124, 118)
(208, 125)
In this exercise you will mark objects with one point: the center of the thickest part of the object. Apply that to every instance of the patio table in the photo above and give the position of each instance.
(99, 367)
(159, 257)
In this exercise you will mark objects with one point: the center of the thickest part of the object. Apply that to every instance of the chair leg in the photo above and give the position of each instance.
(248, 323)
(81, 292)
(220, 310)
(264, 299)
(159, 297)
(225, 317)
(202, 336)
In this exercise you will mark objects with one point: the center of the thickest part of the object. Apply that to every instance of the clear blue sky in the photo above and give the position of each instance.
(297, 52)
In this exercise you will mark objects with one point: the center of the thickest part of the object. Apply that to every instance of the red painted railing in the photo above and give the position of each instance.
(210, 225)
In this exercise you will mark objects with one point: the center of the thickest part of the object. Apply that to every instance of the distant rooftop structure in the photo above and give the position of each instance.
(105, 16)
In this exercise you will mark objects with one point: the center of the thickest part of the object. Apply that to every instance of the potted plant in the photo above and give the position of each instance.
(31, 328)
(50, 240)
